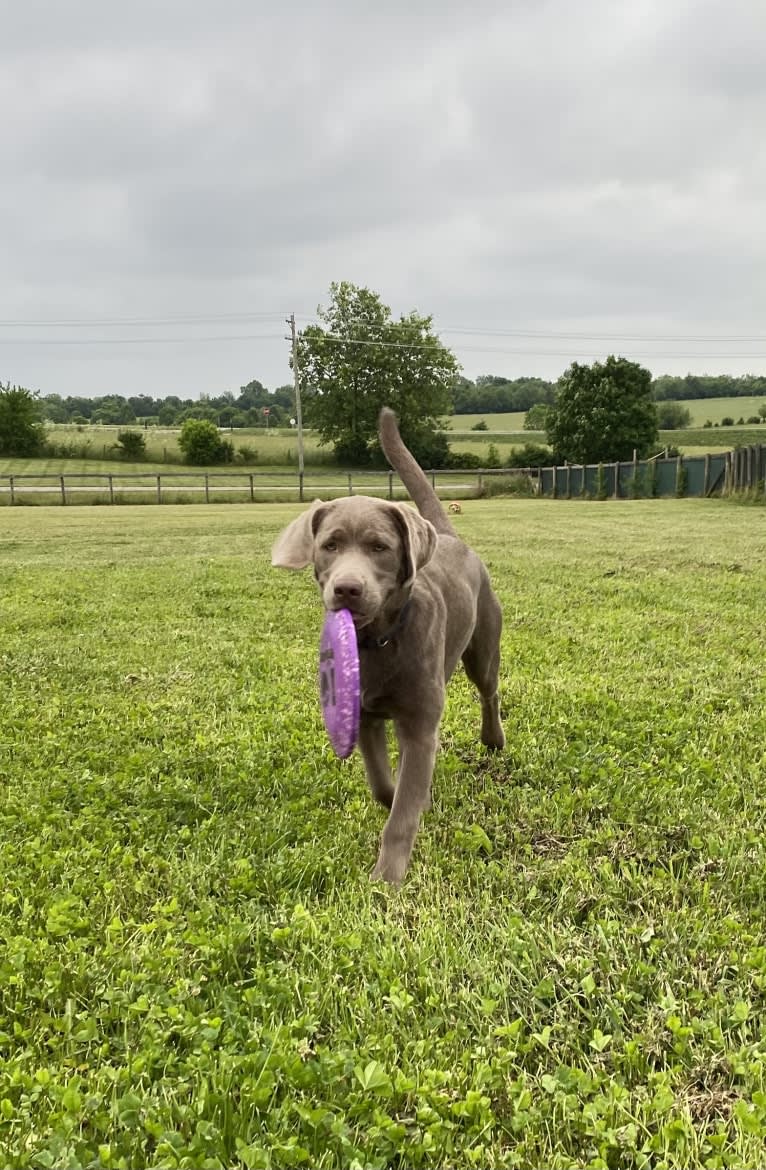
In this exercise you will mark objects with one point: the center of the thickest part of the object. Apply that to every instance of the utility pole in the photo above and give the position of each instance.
(298, 417)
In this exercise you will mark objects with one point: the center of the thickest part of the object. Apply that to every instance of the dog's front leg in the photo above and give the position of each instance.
(417, 754)
(374, 749)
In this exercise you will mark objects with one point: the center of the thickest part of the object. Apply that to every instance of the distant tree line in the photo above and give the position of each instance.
(247, 409)
(708, 386)
(489, 394)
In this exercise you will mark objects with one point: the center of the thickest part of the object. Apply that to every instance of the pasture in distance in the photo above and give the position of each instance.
(195, 969)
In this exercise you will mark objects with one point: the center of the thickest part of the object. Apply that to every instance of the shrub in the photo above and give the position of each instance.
(672, 416)
(531, 455)
(493, 456)
(430, 448)
(21, 429)
(480, 426)
(727, 422)
(131, 445)
(754, 419)
(463, 461)
(201, 443)
(247, 454)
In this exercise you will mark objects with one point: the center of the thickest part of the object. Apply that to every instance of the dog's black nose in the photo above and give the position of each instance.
(347, 589)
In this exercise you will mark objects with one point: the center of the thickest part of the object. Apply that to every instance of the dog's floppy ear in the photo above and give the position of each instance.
(294, 547)
(419, 540)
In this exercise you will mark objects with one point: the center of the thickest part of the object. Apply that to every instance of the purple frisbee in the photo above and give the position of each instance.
(339, 681)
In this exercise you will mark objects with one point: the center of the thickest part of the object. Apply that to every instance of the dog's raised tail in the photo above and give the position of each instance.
(410, 473)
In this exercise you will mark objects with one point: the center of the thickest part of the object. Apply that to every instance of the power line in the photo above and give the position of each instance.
(83, 342)
(566, 335)
(465, 330)
(130, 322)
(334, 338)
(733, 338)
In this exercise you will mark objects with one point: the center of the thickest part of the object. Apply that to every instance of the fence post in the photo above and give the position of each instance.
(555, 484)
(350, 485)
(706, 483)
(252, 491)
(569, 482)
(207, 488)
(63, 490)
(300, 486)
(679, 474)
(390, 485)
(616, 481)
(159, 489)
(111, 489)
(13, 497)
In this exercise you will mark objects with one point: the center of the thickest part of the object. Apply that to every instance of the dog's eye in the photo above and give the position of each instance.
(330, 545)
(379, 547)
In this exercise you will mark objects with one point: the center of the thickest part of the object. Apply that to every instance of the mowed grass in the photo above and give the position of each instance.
(195, 970)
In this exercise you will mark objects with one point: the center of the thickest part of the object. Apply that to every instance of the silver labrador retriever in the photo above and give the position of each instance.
(421, 600)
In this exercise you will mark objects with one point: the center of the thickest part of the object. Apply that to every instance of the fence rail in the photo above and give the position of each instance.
(743, 469)
(158, 487)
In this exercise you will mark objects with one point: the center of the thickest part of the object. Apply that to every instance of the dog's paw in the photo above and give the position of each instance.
(390, 868)
(494, 741)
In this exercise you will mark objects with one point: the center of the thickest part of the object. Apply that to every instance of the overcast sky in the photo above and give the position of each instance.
(523, 167)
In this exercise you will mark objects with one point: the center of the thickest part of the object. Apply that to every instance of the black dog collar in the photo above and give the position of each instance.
(370, 643)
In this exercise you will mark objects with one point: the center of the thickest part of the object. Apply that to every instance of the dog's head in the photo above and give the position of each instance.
(365, 552)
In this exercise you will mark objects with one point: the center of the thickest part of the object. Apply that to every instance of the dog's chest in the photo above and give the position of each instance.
(380, 679)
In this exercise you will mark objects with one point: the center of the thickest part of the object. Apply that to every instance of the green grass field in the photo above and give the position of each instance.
(195, 970)
(701, 409)
(274, 448)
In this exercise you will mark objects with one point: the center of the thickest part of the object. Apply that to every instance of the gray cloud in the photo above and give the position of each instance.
(538, 166)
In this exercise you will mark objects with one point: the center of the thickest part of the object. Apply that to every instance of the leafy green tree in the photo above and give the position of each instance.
(360, 359)
(201, 443)
(168, 415)
(671, 416)
(534, 419)
(54, 409)
(602, 412)
(21, 430)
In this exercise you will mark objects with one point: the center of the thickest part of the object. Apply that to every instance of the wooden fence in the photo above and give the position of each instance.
(167, 487)
(743, 469)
